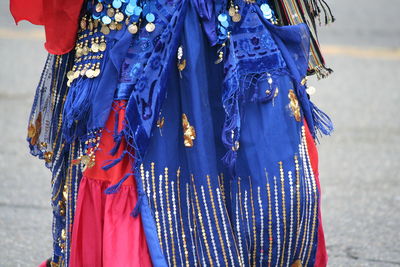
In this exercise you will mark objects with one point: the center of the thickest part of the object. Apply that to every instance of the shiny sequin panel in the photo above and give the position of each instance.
(267, 221)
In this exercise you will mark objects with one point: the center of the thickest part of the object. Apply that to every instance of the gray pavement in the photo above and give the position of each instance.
(359, 163)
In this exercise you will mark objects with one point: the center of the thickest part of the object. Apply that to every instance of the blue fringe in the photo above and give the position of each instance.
(115, 188)
(322, 122)
(113, 162)
(135, 212)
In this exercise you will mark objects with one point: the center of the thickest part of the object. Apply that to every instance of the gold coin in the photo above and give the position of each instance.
(95, 48)
(85, 50)
(111, 12)
(70, 75)
(105, 30)
(119, 26)
(90, 27)
(133, 28)
(89, 73)
(85, 159)
(99, 7)
(112, 25)
(150, 27)
(119, 17)
(83, 24)
(76, 74)
(102, 46)
(78, 52)
(31, 131)
(236, 18)
(96, 72)
(232, 11)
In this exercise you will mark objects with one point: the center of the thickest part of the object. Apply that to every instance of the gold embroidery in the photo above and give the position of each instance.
(297, 263)
(294, 105)
(189, 133)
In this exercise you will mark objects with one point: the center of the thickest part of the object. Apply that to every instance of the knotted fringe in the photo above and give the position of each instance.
(115, 188)
(112, 162)
(135, 212)
(322, 122)
(77, 107)
(117, 135)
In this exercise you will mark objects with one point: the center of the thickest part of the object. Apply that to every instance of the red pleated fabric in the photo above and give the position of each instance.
(59, 18)
(104, 234)
(322, 256)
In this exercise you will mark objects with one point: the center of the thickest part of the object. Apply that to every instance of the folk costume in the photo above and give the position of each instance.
(181, 132)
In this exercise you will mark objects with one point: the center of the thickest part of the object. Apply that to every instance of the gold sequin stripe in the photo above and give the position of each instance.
(241, 215)
(282, 174)
(223, 211)
(155, 205)
(261, 225)
(185, 250)
(240, 242)
(291, 216)
(309, 184)
(148, 190)
(210, 228)
(221, 240)
(142, 177)
(176, 221)
(314, 188)
(171, 227)
(307, 209)
(164, 225)
(253, 219)
(296, 161)
(246, 210)
(203, 230)
(222, 186)
(270, 237)
(65, 234)
(278, 222)
(191, 229)
(54, 85)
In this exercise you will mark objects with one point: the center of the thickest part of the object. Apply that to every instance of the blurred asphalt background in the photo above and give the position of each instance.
(359, 164)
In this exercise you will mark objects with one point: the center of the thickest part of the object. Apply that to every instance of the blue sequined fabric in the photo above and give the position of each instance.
(222, 167)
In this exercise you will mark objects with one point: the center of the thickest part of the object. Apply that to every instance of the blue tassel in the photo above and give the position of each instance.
(322, 122)
(135, 212)
(117, 140)
(115, 188)
(113, 162)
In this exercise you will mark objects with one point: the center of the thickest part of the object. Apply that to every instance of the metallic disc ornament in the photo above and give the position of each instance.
(119, 16)
(111, 12)
(133, 28)
(105, 30)
(237, 17)
(99, 7)
(102, 46)
(150, 27)
(95, 48)
(231, 11)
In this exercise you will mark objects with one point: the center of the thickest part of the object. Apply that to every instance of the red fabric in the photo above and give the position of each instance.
(104, 234)
(322, 256)
(59, 18)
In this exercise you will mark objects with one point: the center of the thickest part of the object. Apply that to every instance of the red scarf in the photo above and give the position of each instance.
(59, 18)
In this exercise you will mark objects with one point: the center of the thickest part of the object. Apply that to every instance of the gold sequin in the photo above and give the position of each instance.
(189, 133)
(294, 105)
(150, 27)
(182, 65)
(297, 263)
(99, 7)
(133, 28)
(160, 122)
